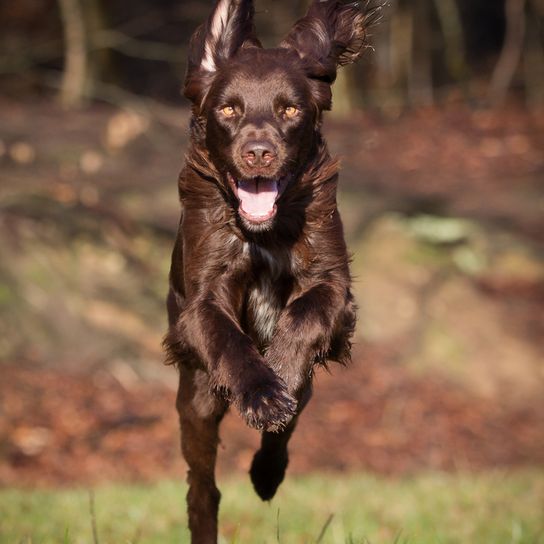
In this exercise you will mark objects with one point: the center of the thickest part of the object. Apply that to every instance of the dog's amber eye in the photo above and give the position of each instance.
(228, 111)
(291, 111)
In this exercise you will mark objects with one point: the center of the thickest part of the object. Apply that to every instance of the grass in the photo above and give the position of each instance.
(490, 508)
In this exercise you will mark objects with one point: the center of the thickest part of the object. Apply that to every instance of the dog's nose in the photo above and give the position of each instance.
(258, 153)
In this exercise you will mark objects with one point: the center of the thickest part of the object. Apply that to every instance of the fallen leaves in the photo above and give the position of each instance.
(60, 428)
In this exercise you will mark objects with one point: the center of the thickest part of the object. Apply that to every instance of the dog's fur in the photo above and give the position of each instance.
(260, 284)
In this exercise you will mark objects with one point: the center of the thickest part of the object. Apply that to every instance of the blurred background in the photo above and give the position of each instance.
(441, 132)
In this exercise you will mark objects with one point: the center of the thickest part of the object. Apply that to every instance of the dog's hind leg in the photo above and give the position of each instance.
(270, 462)
(200, 414)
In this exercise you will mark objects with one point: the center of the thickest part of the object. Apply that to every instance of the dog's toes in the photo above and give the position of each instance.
(267, 473)
(268, 406)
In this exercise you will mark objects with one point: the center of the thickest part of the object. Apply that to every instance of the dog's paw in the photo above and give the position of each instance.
(267, 472)
(266, 404)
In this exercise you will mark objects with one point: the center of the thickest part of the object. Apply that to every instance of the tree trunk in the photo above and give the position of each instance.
(401, 48)
(420, 77)
(533, 61)
(343, 94)
(511, 51)
(452, 30)
(99, 60)
(74, 78)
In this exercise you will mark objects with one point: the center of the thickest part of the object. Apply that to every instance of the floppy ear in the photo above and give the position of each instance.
(333, 33)
(228, 28)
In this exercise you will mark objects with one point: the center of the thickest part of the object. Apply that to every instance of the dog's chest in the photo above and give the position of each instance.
(267, 292)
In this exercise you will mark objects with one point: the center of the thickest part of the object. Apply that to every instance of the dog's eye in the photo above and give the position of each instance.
(228, 111)
(290, 112)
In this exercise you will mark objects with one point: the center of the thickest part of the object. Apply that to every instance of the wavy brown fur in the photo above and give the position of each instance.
(259, 293)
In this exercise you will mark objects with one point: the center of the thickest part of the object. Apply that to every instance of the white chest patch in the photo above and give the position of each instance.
(264, 309)
(264, 303)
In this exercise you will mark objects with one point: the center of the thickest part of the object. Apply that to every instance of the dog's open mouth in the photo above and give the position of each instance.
(258, 197)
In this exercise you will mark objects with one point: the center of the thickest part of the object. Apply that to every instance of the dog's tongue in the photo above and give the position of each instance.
(257, 197)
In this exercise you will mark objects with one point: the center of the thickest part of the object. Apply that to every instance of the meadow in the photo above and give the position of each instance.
(433, 508)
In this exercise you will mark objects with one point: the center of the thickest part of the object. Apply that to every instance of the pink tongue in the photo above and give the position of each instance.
(258, 196)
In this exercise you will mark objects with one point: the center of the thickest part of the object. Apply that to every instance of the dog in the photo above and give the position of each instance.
(260, 282)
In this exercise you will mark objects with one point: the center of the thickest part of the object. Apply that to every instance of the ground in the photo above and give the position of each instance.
(489, 508)
(443, 210)
(60, 428)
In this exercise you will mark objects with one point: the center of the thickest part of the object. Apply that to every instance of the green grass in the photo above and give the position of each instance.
(494, 508)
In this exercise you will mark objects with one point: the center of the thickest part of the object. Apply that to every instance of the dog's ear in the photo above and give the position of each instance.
(333, 33)
(228, 28)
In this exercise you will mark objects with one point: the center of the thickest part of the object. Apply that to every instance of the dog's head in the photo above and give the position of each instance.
(258, 111)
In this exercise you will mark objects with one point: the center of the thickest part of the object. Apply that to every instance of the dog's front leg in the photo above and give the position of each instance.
(271, 460)
(306, 331)
(234, 365)
(308, 327)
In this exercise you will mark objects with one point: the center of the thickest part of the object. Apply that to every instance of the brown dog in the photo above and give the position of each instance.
(260, 284)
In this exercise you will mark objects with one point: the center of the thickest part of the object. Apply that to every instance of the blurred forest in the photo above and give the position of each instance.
(425, 50)
(440, 129)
